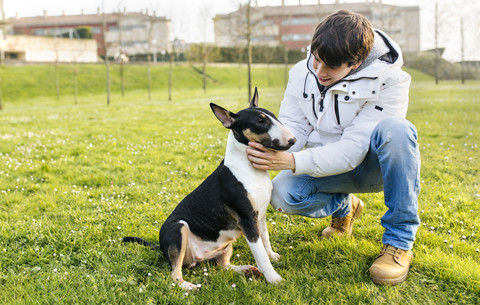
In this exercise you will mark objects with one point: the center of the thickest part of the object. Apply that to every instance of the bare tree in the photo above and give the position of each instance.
(107, 64)
(206, 51)
(153, 22)
(149, 55)
(2, 55)
(170, 71)
(462, 46)
(437, 56)
(121, 55)
(57, 74)
(249, 47)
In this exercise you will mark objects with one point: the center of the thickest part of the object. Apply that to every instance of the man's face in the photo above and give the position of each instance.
(328, 75)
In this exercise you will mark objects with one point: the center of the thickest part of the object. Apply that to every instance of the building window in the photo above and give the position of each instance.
(262, 38)
(132, 27)
(300, 21)
(296, 37)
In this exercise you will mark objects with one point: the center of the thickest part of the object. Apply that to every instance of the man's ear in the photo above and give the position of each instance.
(355, 66)
(223, 115)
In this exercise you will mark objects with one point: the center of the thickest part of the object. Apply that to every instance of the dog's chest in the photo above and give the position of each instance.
(257, 184)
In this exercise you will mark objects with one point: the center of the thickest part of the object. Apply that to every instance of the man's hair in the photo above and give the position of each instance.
(343, 37)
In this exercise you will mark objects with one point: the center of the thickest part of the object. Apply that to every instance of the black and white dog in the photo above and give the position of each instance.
(232, 201)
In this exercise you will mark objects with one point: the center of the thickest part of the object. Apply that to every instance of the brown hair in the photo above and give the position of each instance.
(343, 37)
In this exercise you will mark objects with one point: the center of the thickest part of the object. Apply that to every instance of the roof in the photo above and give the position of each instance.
(292, 10)
(74, 19)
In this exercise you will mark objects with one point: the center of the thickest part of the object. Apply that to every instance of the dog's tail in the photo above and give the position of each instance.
(140, 241)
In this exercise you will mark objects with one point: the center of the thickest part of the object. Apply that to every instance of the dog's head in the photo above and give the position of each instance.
(255, 124)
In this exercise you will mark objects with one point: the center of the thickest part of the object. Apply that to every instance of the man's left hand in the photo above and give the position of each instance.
(267, 159)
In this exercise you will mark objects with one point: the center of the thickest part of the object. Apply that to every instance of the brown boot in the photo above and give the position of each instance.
(343, 226)
(391, 266)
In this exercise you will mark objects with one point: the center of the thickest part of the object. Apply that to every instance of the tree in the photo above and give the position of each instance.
(437, 56)
(107, 64)
(170, 71)
(203, 53)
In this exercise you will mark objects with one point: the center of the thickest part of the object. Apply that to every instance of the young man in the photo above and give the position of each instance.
(346, 104)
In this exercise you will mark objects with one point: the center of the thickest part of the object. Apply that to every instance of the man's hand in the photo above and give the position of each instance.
(267, 159)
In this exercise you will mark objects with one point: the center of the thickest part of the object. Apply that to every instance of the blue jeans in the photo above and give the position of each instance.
(392, 165)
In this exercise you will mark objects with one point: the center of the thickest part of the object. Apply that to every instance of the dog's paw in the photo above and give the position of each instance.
(247, 270)
(274, 278)
(274, 256)
(188, 286)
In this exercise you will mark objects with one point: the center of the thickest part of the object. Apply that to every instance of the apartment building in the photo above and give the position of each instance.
(292, 26)
(130, 33)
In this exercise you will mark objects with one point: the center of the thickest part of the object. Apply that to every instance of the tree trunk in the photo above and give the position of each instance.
(122, 82)
(75, 83)
(170, 70)
(249, 51)
(149, 77)
(107, 64)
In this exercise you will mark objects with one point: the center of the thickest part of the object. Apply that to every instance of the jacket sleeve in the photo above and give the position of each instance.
(347, 153)
(291, 114)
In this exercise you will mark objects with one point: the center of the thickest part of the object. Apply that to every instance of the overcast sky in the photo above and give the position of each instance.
(191, 19)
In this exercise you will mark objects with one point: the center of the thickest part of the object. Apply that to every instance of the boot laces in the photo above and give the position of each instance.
(338, 223)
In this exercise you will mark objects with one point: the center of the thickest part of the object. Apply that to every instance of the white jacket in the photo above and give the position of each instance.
(336, 132)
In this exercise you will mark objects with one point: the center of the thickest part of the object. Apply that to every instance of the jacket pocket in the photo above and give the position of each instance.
(337, 113)
(345, 109)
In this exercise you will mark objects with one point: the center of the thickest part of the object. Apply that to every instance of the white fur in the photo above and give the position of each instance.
(259, 187)
(201, 250)
(279, 131)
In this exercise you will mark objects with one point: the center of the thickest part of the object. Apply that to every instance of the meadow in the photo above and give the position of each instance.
(75, 179)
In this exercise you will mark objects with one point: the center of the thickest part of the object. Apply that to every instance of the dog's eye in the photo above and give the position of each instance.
(262, 119)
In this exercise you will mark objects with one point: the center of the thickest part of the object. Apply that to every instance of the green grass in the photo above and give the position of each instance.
(19, 83)
(74, 179)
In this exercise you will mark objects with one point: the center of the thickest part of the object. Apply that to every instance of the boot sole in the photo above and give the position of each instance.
(356, 215)
(359, 209)
(394, 281)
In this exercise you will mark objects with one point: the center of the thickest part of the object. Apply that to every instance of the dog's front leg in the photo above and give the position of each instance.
(266, 239)
(223, 261)
(262, 260)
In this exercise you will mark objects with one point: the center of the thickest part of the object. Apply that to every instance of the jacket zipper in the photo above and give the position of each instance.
(323, 90)
(337, 113)
(313, 106)
(322, 96)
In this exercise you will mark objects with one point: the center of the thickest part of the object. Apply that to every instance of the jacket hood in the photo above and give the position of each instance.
(384, 49)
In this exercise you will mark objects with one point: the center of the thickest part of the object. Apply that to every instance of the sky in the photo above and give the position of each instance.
(191, 20)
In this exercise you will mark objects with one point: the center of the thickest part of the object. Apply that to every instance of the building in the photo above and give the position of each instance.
(23, 48)
(126, 32)
(292, 26)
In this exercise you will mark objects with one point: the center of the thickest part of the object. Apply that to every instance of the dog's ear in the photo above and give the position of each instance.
(223, 115)
(254, 102)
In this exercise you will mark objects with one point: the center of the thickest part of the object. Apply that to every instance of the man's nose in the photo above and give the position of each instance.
(320, 71)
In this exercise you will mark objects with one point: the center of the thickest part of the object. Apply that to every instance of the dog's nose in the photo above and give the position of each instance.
(292, 141)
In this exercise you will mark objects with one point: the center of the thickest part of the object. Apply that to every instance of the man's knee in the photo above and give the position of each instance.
(278, 201)
(394, 130)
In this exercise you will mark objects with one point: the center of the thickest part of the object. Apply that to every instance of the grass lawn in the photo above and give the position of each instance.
(74, 179)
